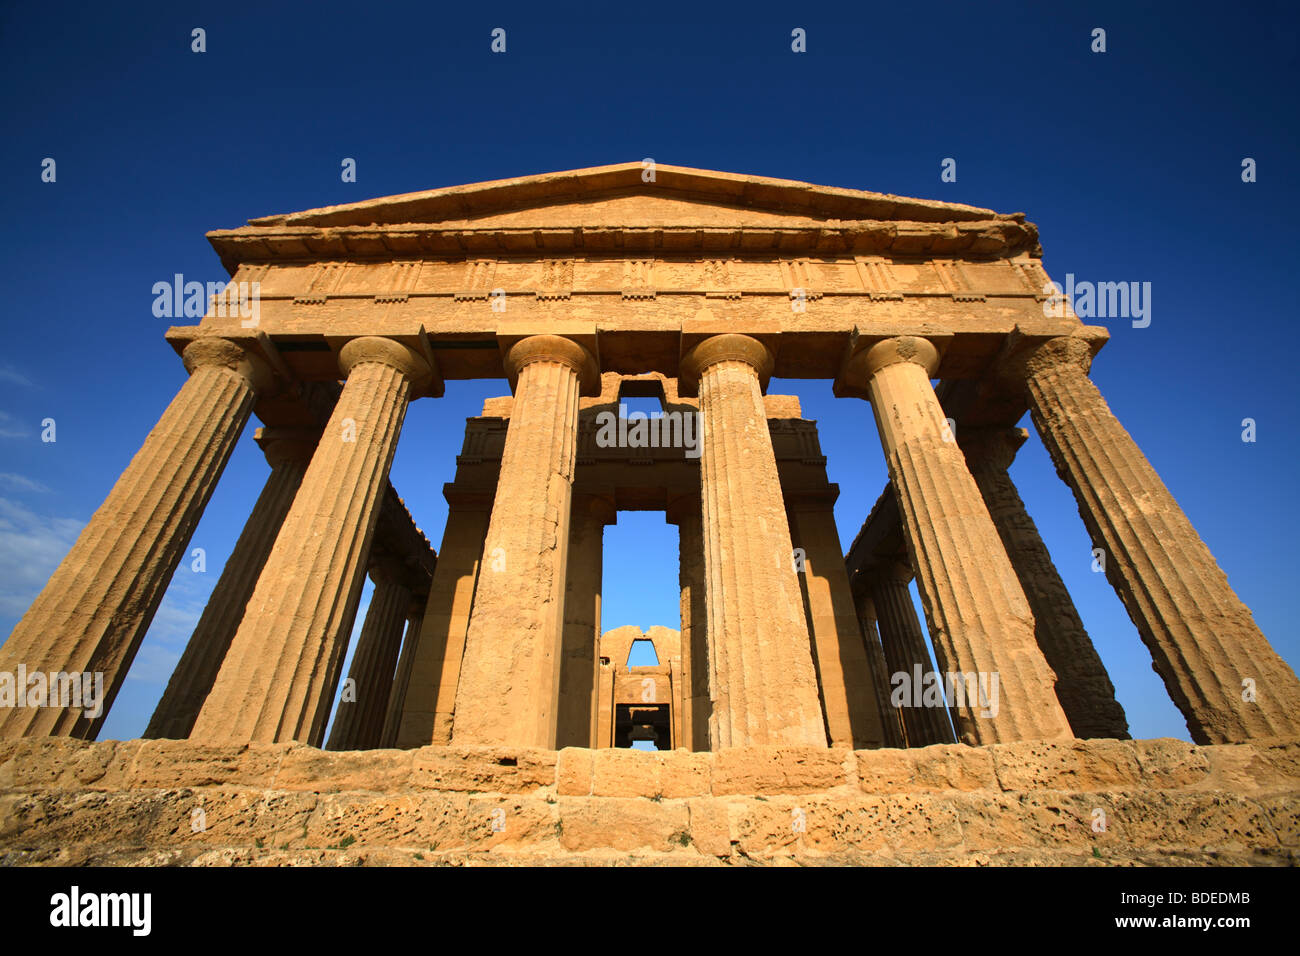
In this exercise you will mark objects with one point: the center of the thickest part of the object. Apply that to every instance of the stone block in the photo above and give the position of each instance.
(710, 827)
(772, 770)
(171, 764)
(1242, 769)
(306, 768)
(1066, 765)
(936, 768)
(622, 823)
(621, 772)
(483, 769)
(1169, 763)
(573, 772)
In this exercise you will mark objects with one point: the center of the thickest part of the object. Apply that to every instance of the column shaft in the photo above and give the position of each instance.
(197, 669)
(844, 670)
(510, 676)
(696, 700)
(1203, 640)
(982, 626)
(890, 718)
(402, 678)
(282, 669)
(94, 611)
(430, 703)
(1082, 685)
(579, 663)
(762, 679)
(905, 652)
(359, 721)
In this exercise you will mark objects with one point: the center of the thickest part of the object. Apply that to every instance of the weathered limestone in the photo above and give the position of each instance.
(1028, 803)
(359, 720)
(579, 669)
(980, 622)
(288, 451)
(763, 683)
(430, 699)
(280, 674)
(685, 512)
(905, 652)
(98, 604)
(1203, 640)
(402, 677)
(509, 685)
(890, 718)
(849, 682)
(1082, 685)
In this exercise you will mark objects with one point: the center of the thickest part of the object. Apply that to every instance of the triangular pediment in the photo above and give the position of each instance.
(623, 209)
(625, 195)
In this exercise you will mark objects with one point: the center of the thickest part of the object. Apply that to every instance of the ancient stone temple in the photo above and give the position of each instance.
(483, 669)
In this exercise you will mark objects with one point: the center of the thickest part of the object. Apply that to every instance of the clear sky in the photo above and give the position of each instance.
(1129, 161)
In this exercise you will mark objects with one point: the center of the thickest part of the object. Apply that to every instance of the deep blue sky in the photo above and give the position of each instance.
(1128, 161)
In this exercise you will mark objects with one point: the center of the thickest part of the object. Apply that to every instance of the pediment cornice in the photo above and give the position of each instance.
(611, 210)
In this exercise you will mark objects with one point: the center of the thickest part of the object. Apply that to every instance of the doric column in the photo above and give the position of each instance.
(1203, 640)
(1082, 685)
(697, 704)
(905, 653)
(579, 665)
(848, 682)
(93, 612)
(890, 718)
(405, 661)
(288, 451)
(979, 619)
(510, 676)
(280, 673)
(359, 722)
(430, 701)
(763, 683)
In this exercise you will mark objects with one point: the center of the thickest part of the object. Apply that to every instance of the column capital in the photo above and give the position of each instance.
(553, 348)
(1022, 360)
(375, 348)
(223, 353)
(867, 357)
(894, 571)
(682, 507)
(598, 506)
(287, 444)
(901, 348)
(728, 347)
(990, 449)
(386, 567)
(468, 499)
(813, 499)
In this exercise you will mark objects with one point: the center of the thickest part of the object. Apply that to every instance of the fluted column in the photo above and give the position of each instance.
(430, 701)
(1082, 685)
(763, 683)
(890, 718)
(1203, 640)
(94, 611)
(510, 676)
(578, 672)
(402, 677)
(288, 451)
(845, 674)
(697, 704)
(282, 668)
(905, 653)
(359, 721)
(982, 626)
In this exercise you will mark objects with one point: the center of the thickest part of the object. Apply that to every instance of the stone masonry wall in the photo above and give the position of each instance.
(70, 802)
